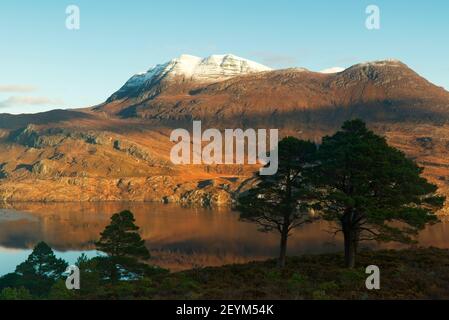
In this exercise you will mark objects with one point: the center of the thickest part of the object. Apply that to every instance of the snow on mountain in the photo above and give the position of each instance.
(378, 63)
(215, 67)
(333, 70)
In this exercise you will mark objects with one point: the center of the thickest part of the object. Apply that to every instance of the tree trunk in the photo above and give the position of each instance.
(283, 251)
(350, 226)
(114, 273)
(349, 251)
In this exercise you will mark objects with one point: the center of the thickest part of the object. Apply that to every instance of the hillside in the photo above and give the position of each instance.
(119, 150)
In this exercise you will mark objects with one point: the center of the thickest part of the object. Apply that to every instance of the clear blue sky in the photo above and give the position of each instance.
(43, 65)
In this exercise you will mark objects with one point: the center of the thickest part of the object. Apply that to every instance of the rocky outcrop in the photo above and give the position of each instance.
(131, 149)
(27, 137)
(150, 189)
(42, 168)
(209, 193)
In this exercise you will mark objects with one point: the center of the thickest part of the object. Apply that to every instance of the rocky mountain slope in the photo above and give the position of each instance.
(382, 90)
(119, 150)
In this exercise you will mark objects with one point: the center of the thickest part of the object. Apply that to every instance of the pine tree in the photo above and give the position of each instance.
(121, 238)
(122, 243)
(372, 190)
(42, 262)
(38, 273)
(282, 202)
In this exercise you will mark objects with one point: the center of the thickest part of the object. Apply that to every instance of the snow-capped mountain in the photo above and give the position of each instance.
(191, 87)
(332, 70)
(210, 68)
(188, 67)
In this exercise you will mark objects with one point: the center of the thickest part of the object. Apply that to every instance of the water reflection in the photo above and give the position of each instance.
(178, 238)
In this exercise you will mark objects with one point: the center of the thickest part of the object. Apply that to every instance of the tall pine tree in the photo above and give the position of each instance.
(121, 238)
(121, 241)
(282, 202)
(372, 190)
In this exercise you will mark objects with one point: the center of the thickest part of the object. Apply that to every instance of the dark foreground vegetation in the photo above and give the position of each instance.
(406, 274)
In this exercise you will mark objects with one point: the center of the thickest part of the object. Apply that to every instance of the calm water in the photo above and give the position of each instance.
(178, 238)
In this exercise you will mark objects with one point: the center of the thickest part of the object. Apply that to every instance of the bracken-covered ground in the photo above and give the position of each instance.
(407, 274)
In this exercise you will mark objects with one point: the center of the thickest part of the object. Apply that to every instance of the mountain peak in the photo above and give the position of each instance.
(375, 64)
(381, 63)
(210, 68)
(213, 67)
(188, 67)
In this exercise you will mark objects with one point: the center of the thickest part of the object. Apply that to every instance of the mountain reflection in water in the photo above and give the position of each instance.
(177, 237)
